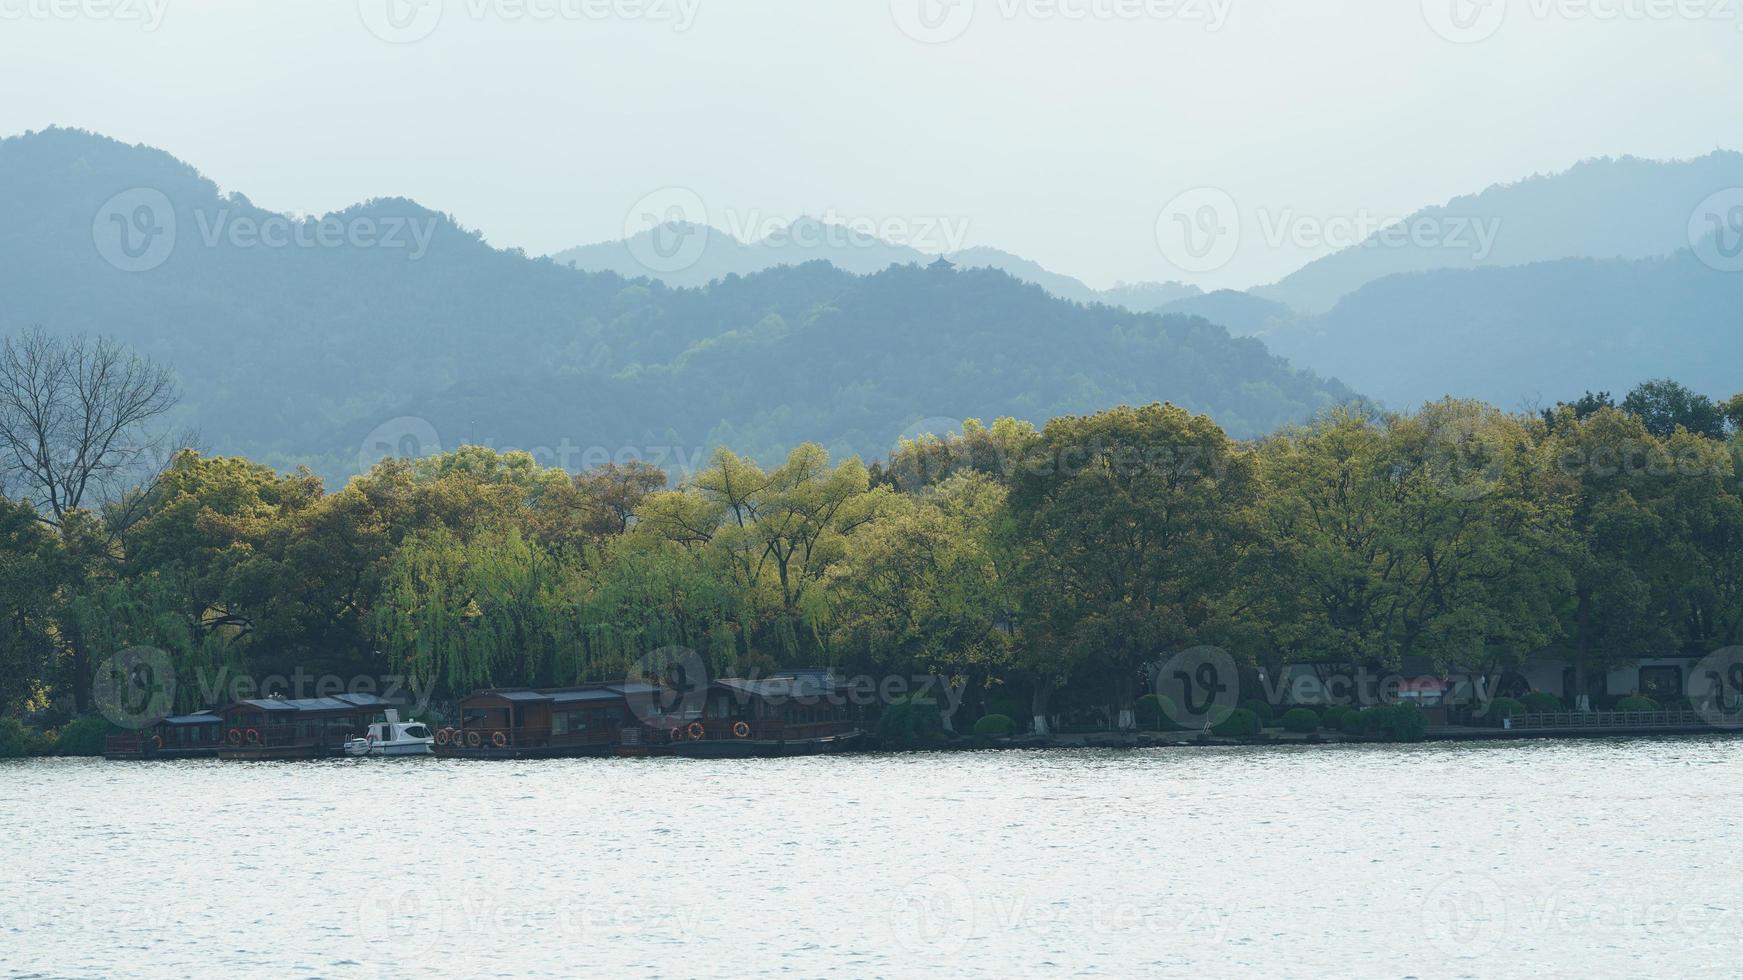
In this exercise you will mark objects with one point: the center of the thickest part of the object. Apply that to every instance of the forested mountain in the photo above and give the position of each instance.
(712, 253)
(300, 340)
(1601, 209)
(1529, 334)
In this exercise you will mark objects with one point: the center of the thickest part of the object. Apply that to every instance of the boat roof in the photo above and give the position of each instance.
(198, 718)
(569, 695)
(338, 702)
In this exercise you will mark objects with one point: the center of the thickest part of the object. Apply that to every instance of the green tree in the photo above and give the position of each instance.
(1128, 525)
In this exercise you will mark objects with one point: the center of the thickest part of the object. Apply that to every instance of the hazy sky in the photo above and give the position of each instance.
(1058, 129)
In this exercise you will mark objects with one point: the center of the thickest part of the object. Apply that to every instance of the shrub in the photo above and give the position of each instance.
(1017, 711)
(1637, 702)
(1504, 708)
(1351, 722)
(84, 736)
(1537, 702)
(1333, 716)
(995, 726)
(1241, 723)
(905, 722)
(1301, 721)
(1155, 713)
(17, 741)
(1262, 709)
(1402, 723)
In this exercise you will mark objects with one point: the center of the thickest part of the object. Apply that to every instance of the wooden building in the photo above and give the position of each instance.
(192, 736)
(524, 724)
(302, 728)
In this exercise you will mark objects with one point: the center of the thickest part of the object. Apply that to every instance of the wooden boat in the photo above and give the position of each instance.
(195, 736)
(262, 729)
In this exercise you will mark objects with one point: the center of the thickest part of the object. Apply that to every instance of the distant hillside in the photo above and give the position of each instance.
(710, 254)
(1244, 314)
(315, 339)
(1601, 209)
(1530, 334)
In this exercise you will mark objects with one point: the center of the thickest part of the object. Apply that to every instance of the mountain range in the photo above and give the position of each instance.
(701, 253)
(1615, 270)
(389, 327)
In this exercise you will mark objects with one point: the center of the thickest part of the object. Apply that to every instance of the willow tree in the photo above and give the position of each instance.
(492, 610)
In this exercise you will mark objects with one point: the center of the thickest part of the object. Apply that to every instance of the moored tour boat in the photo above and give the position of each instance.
(393, 738)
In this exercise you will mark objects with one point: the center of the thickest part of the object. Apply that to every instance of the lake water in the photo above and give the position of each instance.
(1512, 859)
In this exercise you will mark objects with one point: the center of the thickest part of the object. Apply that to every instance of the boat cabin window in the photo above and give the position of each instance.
(417, 731)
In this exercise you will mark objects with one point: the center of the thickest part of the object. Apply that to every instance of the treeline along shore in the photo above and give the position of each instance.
(1043, 574)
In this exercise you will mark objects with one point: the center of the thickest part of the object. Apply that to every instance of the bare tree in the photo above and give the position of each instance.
(73, 418)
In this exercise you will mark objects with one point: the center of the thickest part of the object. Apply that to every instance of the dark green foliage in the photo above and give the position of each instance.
(1332, 717)
(1354, 722)
(907, 722)
(18, 741)
(1538, 702)
(1664, 405)
(1398, 723)
(1505, 708)
(1155, 713)
(1009, 707)
(1637, 702)
(995, 726)
(1240, 723)
(1260, 708)
(1301, 721)
(84, 736)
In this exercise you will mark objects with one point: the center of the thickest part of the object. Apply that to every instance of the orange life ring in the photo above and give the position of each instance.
(443, 735)
(474, 739)
(252, 736)
(676, 734)
(740, 729)
(697, 731)
(499, 740)
(157, 741)
(234, 736)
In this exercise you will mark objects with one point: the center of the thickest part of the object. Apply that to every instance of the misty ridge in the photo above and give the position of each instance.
(332, 340)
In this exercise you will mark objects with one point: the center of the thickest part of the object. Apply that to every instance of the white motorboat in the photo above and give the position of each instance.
(393, 738)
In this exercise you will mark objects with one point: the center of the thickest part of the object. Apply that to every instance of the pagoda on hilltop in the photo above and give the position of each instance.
(942, 265)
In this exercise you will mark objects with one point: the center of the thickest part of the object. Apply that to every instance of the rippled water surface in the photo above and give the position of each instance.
(1519, 859)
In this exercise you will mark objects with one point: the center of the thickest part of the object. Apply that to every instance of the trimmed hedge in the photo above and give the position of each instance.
(1261, 709)
(84, 736)
(1352, 723)
(1637, 702)
(1300, 721)
(1539, 703)
(1154, 712)
(905, 722)
(1504, 708)
(1332, 718)
(995, 726)
(1241, 723)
